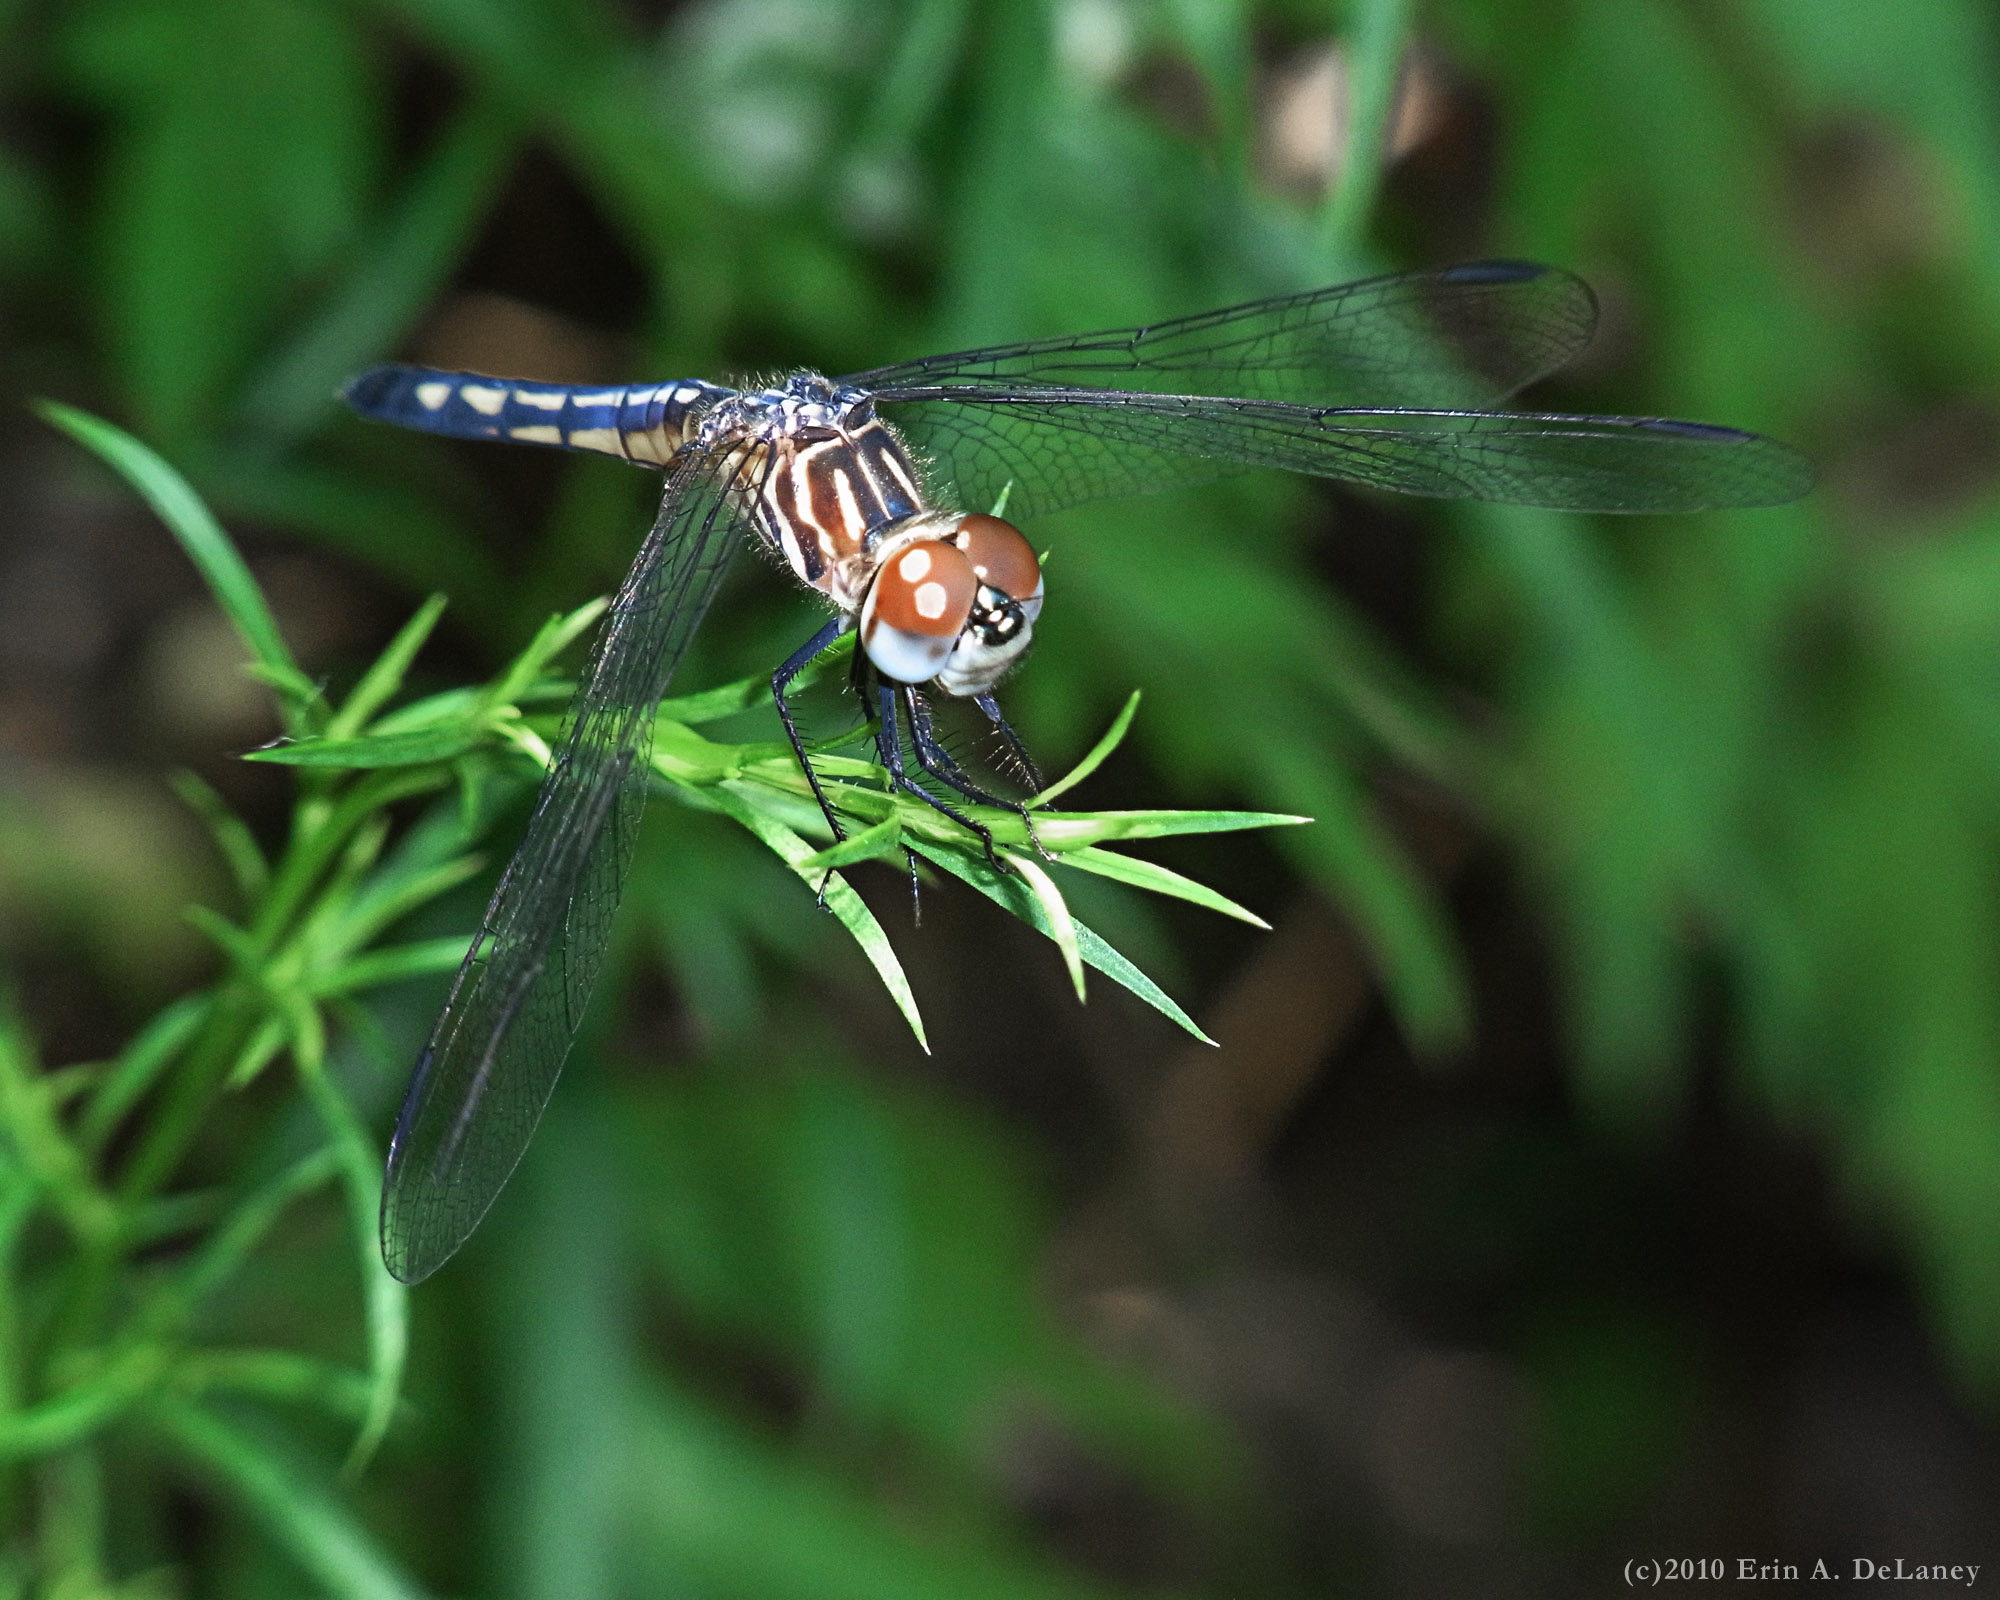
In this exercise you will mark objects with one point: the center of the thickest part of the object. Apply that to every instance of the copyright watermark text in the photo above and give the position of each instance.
(1649, 1572)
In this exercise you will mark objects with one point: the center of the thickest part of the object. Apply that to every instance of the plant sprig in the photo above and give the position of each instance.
(315, 926)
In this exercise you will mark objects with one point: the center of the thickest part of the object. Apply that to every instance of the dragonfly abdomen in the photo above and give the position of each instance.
(645, 424)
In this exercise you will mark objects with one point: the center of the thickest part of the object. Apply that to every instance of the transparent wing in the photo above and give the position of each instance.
(493, 1058)
(1461, 336)
(1057, 447)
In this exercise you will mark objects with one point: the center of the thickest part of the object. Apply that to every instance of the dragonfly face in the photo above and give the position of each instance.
(1387, 383)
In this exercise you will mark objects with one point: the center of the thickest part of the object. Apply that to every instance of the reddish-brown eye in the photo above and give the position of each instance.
(916, 609)
(1000, 555)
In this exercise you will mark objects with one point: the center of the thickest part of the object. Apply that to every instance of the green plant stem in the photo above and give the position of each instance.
(1374, 57)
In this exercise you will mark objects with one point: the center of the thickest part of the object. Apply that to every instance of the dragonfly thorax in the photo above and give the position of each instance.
(835, 479)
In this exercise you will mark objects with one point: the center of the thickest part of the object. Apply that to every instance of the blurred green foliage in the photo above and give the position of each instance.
(770, 1327)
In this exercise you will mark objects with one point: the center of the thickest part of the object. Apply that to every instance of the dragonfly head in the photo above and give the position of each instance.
(954, 601)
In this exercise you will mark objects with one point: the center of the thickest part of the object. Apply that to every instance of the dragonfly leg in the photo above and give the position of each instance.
(1012, 740)
(795, 663)
(889, 741)
(941, 765)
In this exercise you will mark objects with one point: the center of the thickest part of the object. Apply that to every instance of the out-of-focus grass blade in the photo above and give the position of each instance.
(1010, 893)
(282, 1375)
(392, 527)
(1099, 753)
(395, 964)
(229, 1245)
(399, 271)
(230, 832)
(201, 536)
(303, 1516)
(839, 895)
(151, 1051)
(386, 1298)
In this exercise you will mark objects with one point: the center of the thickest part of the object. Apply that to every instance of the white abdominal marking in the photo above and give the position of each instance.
(432, 395)
(483, 400)
(541, 399)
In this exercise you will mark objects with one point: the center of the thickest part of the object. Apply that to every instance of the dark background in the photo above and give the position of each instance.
(1602, 1160)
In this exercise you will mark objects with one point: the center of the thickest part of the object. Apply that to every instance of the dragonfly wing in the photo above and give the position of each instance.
(491, 1064)
(1460, 336)
(1061, 446)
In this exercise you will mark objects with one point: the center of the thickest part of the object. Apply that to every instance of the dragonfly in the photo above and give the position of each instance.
(873, 490)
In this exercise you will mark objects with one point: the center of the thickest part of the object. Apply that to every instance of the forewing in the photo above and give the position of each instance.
(494, 1056)
(1463, 336)
(1060, 446)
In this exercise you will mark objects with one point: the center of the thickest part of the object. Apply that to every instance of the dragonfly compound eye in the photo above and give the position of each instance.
(916, 608)
(1003, 559)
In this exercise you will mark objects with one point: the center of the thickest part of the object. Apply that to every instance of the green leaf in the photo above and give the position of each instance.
(838, 895)
(711, 705)
(1072, 830)
(1156, 879)
(418, 748)
(380, 682)
(1099, 753)
(202, 538)
(1012, 894)
(550, 640)
(870, 844)
(1057, 922)
(303, 1516)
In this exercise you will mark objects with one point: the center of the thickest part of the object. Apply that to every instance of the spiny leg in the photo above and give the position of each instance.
(1012, 740)
(794, 664)
(943, 766)
(889, 741)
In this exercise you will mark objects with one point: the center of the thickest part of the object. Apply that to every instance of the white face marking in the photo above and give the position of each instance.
(482, 399)
(914, 565)
(539, 435)
(610, 397)
(432, 395)
(541, 399)
(604, 439)
(930, 600)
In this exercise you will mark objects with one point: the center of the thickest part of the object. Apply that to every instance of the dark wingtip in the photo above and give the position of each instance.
(1782, 473)
(366, 391)
(1697, 430)
(1494, 272)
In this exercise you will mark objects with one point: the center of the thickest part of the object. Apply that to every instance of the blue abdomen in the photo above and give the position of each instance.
(646, 424)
